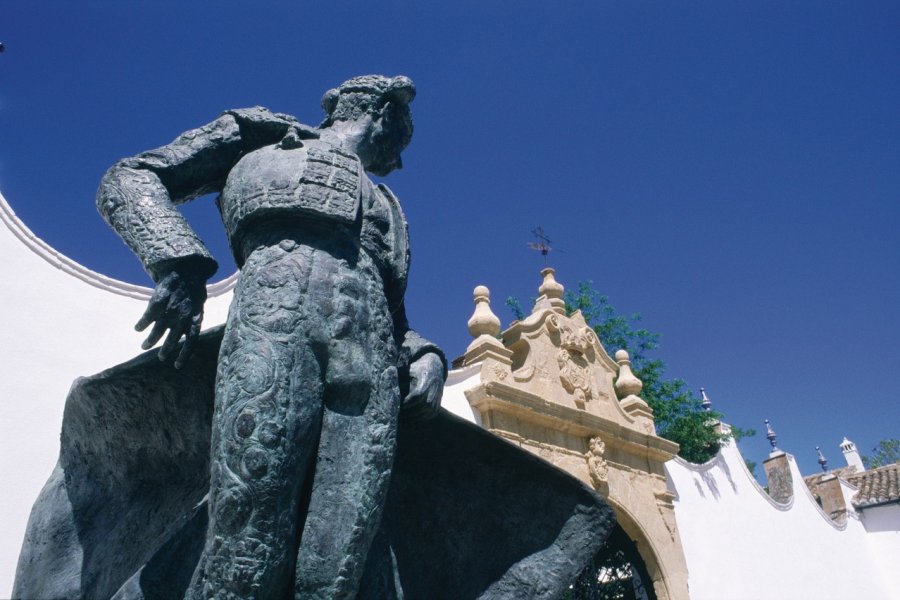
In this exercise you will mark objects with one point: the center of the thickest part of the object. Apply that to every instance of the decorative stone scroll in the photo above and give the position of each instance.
(597, 466)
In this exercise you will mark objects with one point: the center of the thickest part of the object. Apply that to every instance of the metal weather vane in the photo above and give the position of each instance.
(542, 244)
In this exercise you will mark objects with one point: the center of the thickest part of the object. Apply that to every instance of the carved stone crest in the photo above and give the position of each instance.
(575, 344)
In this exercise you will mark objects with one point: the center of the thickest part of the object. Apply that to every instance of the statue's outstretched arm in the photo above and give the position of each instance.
(137, 197)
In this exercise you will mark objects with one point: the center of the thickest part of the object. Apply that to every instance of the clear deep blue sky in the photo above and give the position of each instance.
(730, 170)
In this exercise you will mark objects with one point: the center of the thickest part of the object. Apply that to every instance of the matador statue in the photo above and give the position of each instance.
(316, 369)
(307, 391)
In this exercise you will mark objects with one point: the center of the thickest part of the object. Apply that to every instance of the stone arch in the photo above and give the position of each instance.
(645, 546)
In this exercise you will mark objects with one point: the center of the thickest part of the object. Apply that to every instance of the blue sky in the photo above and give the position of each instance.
(730, 170)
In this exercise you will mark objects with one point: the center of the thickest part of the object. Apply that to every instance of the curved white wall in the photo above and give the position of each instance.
(59, 321)
(740, 544)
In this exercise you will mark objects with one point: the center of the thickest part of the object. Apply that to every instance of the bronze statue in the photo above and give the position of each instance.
(310, 469)
(307, 390)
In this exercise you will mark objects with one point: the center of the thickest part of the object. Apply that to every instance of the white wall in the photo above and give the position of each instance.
(741, 544)
(59, 321)
(883, 526)
(454, 398)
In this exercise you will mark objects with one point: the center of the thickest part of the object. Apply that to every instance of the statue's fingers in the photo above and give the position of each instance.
(168, 347)
(186, 351)
(418, 412)
(189, 340)
(413, 400)
(416, 385)
(434, 398)
(154, 310)
(157, 332)
(196, 323)
(413, 406)
(422, 406)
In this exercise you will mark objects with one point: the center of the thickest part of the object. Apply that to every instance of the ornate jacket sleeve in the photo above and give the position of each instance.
(137, 196)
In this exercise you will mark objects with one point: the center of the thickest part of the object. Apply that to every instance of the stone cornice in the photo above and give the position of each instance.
(496, 395)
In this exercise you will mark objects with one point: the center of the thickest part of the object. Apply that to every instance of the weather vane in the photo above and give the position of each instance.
(542, 244)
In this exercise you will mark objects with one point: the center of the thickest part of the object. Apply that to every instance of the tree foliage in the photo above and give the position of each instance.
(885, 453)
(677, 410)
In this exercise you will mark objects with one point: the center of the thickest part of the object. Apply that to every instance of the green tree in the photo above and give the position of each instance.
(677, 410)
(887, 452)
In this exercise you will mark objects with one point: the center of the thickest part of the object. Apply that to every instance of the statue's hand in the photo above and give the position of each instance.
(176, 305)
(426, 385)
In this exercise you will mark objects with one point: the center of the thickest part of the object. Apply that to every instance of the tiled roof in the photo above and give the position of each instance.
(877, 486)
(812, 481)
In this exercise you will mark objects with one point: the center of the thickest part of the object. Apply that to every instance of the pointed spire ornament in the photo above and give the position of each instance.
(823, 462)
(771, 436)
(706, 404)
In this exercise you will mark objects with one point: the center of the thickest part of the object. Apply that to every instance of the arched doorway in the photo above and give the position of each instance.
(617, 572)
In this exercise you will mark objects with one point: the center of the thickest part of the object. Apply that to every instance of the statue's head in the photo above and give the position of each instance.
(382, 103)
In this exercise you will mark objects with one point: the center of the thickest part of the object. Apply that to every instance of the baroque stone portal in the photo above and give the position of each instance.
(309, 493)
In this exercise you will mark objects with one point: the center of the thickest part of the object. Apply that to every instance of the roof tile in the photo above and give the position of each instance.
(877, 486)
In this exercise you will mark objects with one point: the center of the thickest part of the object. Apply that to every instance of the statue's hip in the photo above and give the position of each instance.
(300, 287)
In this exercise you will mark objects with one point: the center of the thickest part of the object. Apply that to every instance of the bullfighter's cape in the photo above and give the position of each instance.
(124, 515)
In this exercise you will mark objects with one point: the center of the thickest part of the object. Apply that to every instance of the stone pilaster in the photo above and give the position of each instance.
(778, 474)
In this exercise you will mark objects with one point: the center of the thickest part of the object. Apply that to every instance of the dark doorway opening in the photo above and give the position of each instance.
(617, 572)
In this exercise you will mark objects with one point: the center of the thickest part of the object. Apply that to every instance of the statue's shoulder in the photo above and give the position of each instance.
(260, 114)
(259, 118)
(393, 203)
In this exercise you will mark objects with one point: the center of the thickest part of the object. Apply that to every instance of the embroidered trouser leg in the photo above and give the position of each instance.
(305, 424)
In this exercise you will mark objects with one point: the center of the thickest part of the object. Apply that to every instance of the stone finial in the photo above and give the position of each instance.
(551, 293)
(851, 455)
(706, 404)
(483, 321)
(626, 384)
(627, 389)
(550, 287)
(485, 327)
(823, 462)
(771, 436)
